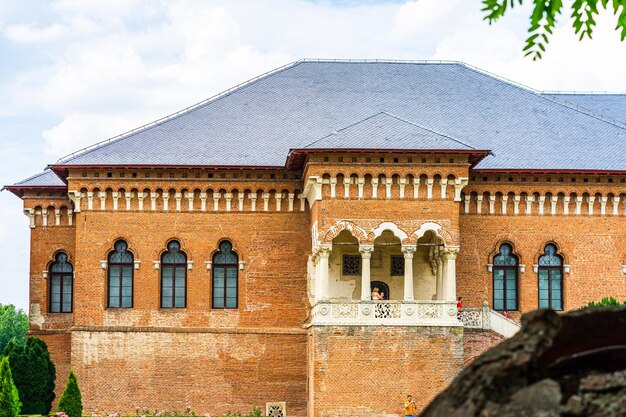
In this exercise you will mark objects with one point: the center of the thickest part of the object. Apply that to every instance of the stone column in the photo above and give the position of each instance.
(89, 200)
(252, 197)
(240, 197)
(30, 213)
(492, 204)
(179, 198)
(75, 196)
(346, 187)
(429, 187)
(439, 276)
(57, 217)
(459, 183)
(279, 200)
(603, 201)
(402, 184)
(366, 255)
(290, 197)
(302, 198)
(70, 217)
(333, 187)
(530, 199)
(190, 196)
(388, 184)
(322, 277)
(479, 203)
(103, 200)
(516, 201)
(566, 200)
(408, 252)
(266, 201)
(553, 201)
(466, 203)
(579, 204)
(542, 200)
(374, 187)
(590, 201)
(44, 217)
(360, 182)
(166, 201)
(127, 196)
(153, 198)
(229, 198)
(140, 197)
(503, 202)
(449, 280)
(115, 195)
(444, 188)
(216, 201)
(416, 187)
(203, 197)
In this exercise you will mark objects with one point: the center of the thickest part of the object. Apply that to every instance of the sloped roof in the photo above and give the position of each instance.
(386, 131)
(46, 178)
(257, 123)
(612, 106)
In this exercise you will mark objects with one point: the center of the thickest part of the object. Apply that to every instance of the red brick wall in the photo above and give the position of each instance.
(59, 346)
(368, 371)
(476, 342)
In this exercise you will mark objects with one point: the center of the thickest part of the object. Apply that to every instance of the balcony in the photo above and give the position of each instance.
(384, 313)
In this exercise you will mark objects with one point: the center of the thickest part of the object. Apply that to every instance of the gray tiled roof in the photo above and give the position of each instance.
(612, 106)
(258, 123)
(386, 131)
(46, 178)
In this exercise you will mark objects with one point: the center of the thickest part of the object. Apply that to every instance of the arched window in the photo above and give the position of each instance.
(173, 277)
(551, 279)
(505, 267)
(61, 284)
(225, 277)
(120, 282)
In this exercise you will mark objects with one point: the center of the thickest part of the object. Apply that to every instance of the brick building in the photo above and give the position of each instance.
(225, 255)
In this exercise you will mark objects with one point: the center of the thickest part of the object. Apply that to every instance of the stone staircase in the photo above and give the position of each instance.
(487, 319)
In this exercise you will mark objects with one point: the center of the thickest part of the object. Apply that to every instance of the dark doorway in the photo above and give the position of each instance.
(382, 287)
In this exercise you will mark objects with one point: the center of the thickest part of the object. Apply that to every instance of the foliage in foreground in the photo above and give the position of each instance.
(256, 412)
(13, 325)
(71, 401)
(9, 398)
(606, 302)
(34, 374)
(546, 12)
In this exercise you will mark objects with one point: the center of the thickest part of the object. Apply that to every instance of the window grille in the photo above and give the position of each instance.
(397, 265)
(550, 279)
(505, 270)
(61, 285)
(351, 265)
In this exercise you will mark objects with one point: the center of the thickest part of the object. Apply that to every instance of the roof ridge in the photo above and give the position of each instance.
(334, 132)
(32, 177)
(176, 114)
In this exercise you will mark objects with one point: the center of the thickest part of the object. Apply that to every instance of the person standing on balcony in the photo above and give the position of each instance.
(409, 406)
(376, 295)
(459, 303)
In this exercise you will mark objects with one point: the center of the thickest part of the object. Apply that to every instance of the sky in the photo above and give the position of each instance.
(73, 73)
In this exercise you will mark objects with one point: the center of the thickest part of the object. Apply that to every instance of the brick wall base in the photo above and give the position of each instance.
(368, 371)
(475, 342)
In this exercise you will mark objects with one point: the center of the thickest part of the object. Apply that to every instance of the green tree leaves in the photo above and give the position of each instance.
(544, 15)
(13, 325)
(9, 398)
(71, 402)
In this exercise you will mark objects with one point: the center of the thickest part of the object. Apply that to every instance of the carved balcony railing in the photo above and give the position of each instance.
(487, 319)
(384, 313)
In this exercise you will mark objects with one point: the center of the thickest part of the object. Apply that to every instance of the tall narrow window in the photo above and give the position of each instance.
(225, 277)
(61, 284)
(551, 279)
(120, 276)
(505, 267)
(173, 277)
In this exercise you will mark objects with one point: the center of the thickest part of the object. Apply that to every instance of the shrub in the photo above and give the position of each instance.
(33, 373)
(9, 398)
(71, 401)
(606, 302)
(13, 325)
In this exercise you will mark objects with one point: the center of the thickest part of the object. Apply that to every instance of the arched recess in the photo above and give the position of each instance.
(342, 225)
(392, 227)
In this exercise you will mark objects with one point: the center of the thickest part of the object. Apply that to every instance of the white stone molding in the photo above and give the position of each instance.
(516, 201)
(70, 217)
(44, 217)
(615, 201)
(366, 254)
(89, 200)
(75, 197)
(408, 252)
(459, 184)
(179, 198)
(190, 197)
(522, 268)
(302, 198)
(438, 274)
(203, 197)
(153, 199)
(240, 196)
(57, 217)
(241, 265)
(444, 188)
(166, 199)
(346, 187)
(189, 265)
(209, 265)
(566, 201)
(489, 267)
(156, 264)
(425, 227)
(44, 274)
(140, 197)
(624, 269)
(542, 201)
(416, 187)
(402, 184)
(429, 187)
(590, 201)
(279, 200)
(466, 203)
(216, 201)
(333, 187)
(388, 184)
(479, 204)
(266, 201)
(115, 195)
(389, 226)
(252, 197)
(553, 200)
(128, 195)
(374, 187)
(313, 189)
(535, 268)
(322, 254)
(290, 198)
(103, 264)
(137, 263)
(360, 182)
(103, 200)
(530, 199)
(492, 204)
(449, 254)
(503, 201)
(579, 205)
(228, 197)
(603, 201)
(567, 268)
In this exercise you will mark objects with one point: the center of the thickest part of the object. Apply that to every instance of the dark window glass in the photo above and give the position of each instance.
(505, 267)
(225, 277)
(397, 265)
(351, 265)
(173, 277)
(120, 272)
(550, 279)
(61, 284)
